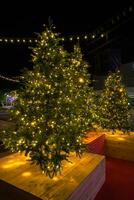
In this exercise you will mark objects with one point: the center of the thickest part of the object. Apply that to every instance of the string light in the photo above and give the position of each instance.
(9, 79)
(18, 40)
(112, 20)
(81, 80)
(24, 41)
(93, 36)
(102, 35)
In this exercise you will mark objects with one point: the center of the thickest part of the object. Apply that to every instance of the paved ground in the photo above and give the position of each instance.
(4, 115)
(10, 192)
(119, 184)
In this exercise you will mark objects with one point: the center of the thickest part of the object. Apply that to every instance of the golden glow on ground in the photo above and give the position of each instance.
(55, 178)
(13, 165)
(26, 174)
(71, 163)
(120, 138)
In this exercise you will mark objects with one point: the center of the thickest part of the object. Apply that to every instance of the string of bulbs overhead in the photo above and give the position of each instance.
(99, 33)
(95, 35)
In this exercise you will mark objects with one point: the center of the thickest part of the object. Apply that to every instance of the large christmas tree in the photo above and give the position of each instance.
(52, 112)
(114, 109)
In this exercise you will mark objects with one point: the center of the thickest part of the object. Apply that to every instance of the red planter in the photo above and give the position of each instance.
(96, 144)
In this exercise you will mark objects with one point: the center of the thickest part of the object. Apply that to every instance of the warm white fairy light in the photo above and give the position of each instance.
(102, 35)
(93, 36)
(32, 40)
(81, 80)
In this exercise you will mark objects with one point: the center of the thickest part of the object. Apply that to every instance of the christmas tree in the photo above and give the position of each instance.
(114, 109)
(52, 111)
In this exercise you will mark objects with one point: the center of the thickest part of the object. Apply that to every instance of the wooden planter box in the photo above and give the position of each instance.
(79, 180)
(120, 146)
(95, 143)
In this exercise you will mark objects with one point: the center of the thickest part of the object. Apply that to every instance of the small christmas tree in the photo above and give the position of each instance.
(114, 109)
(52, 111)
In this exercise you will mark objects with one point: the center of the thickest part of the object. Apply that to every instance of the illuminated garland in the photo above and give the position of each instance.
(9, 79)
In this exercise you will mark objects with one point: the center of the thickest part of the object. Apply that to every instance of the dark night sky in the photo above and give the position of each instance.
(23, 20)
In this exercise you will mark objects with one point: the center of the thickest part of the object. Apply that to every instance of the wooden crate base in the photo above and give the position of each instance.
(95, 143)
(120, 146)
(80, 180)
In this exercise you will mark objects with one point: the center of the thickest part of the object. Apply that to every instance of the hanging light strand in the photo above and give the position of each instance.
(99, 33)
(17, 40)
(9, 79)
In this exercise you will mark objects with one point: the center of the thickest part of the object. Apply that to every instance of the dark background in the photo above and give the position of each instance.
(23, 20)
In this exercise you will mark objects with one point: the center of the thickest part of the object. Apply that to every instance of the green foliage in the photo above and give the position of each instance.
(114, 111)
(52, 111)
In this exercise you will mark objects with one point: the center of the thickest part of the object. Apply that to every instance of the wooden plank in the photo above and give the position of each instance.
(85, 174)
(91, 185)
(120, 146)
